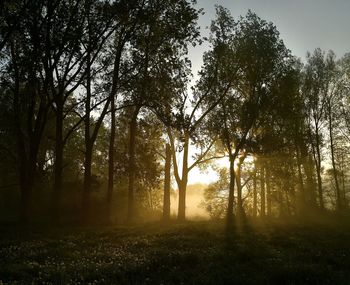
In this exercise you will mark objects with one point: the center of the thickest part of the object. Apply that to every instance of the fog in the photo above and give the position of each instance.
(194, 199)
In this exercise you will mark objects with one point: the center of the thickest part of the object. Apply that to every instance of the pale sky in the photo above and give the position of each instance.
(303, 25)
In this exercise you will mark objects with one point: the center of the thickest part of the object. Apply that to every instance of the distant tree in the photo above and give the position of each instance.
(333, 105)
(249, 57)
(342, 153)
(216, 194)
(316, 88)
(336, 116)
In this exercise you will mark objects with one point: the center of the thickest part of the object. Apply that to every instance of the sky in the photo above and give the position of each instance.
(303, 25)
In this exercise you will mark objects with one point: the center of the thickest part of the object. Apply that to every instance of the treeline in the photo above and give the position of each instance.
(95, 109)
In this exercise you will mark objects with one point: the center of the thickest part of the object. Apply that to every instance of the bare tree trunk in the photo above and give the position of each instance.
(231, 195)
(255, 194)
(280, 200)
(24, 176)
(132, 144)
(301, 182)
(318, 170)
(183, 185)
(111, 160)
(26, 189)
(310, 181)
(58, 168)
(345, 203)
(240, 209)
(113, 94)
(268, 191)
(262, 193)
(335, 174)
(182, 203)
(167, 169)
(88, 145)
(87, 182)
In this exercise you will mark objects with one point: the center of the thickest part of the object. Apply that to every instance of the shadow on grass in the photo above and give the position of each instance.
(179, 253)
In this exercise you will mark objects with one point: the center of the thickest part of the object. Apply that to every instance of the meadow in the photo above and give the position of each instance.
(186, 253)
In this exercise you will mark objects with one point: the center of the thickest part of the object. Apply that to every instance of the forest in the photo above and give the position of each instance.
(103, 120)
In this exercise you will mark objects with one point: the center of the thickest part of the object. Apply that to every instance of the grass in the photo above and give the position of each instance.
(190, 253)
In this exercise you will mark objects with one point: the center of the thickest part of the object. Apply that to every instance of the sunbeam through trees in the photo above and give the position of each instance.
(104, 122)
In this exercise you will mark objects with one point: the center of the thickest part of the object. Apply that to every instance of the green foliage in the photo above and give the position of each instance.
(215, 196)
(63, 62)
(244, 67)
(149, 144)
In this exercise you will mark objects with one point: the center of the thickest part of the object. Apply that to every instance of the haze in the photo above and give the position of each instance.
(105, 123)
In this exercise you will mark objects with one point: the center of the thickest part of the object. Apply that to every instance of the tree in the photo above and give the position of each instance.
(107, 35)
(316, 87)
(159, 59)
(337, 121)
(216, 194)
(248, 57)
(27, 84)
(147, 161)
(167, 183)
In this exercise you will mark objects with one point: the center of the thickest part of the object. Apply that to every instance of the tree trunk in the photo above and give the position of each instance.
(24, 176)
(88, 144)
(25, 203)
(262, 194)
(58, 168)
(337, 187)
(301, 183)
(310, 181)
(87, 181)
(240, 210)
(280, 199)
(318, 170)
(26, 188)
(113, 95)
(167, 169)
(182, 203)
(181, 215)
(268, 191)
(111, 160)
(288, 207)
(231, 195)
(255, 194)
(132, 143)
(345, 203)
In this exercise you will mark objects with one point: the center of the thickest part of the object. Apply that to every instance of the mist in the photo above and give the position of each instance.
(195, 209)
(147, 142)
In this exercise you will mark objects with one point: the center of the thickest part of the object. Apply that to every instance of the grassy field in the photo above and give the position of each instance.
(190, 253)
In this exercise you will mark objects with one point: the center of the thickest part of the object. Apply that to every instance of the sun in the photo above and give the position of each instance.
(209, 175)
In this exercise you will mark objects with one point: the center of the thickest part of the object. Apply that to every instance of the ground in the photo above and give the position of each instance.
(189, 253)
